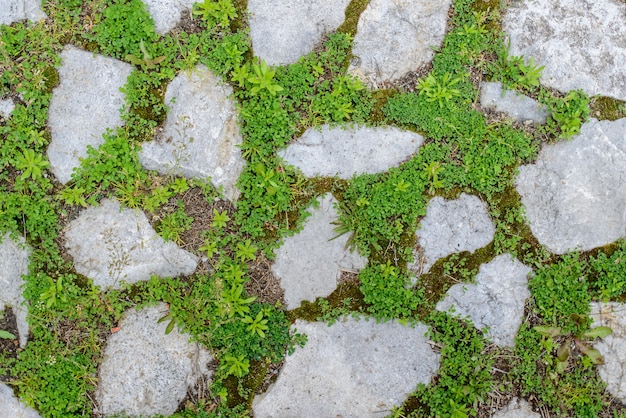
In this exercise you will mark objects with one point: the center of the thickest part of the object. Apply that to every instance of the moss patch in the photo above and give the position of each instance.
(607, 108)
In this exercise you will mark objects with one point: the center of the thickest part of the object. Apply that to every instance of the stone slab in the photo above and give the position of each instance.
(6, 107)
(345, 152)
(284, 30)
(15, 10)
(111, 245)
(200, 138)
(574, 194)
(145, 371)
(519, 107)
(11, 407)
(309, 263)
(517, 408)
(397, 36)
(495, 301)
(451, 226)
(167, 13)
(350, 369)
(580, 42)
(84, 105)
(14, 260)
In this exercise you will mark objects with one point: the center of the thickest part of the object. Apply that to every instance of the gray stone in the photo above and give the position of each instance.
(580, 42)
(145, 371)
(166, 13)
(86, 103)
(397, 36)
(517, 408)
(345, 152)
(6, 107)
(309, 263)
(521, 108)
(351, 369)
(495, 301)
(16, 10)
(201, 137)
(574, 194)
(13, 265)
(109, 245)
(613, 347)
(452, 226)
(11, 407)
(284, 30)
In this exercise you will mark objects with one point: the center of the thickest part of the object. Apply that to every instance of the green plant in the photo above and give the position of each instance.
(146, 59)
(6, 335)
(216, 12)
(31, 164)
(257, 324)
(174, 224)
(220, 219)
(439, 90)
(262, 79)
(238, 366)
(246, 251)
(73, 196)
(54, 293)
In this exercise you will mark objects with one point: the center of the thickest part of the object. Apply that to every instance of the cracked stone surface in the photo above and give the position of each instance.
(382, 33)
(517, 408)
(284, 30)
(495, 301)
(13, 265)
(452, 226)
(344, 152)
(519, 107)
(84, 105)
(16, 10)
(110, 246)
(6, 107)
(580, 42)
(145, 371)
(309, 263)
(350, 369)
(574, 194)
(11, 407)
(167, 13)
(612, 347)
(201, 137)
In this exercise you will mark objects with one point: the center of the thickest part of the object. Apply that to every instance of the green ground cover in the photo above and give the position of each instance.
(465, 150)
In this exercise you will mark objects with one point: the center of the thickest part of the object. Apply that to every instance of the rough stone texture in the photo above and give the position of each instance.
(309, 263)
(16, 10)
(85, 104)
(345, 152)
(13, 265)
(521, 108)
(110, 246)
(613, 347)
(495, 301)
(517, 408)
(452, 226)
(284, 30)
(580, 42)
(11, 407)
(574, 194)
(146, 371)
(200, 138)
(351, 369)
(396, 36)
(166, 13)
(6, 107)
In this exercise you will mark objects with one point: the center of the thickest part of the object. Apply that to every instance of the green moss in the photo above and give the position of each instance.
(490, 9)
(52, 79)
(353, 12)
(380, 98)
(607, 108)
(311, 311)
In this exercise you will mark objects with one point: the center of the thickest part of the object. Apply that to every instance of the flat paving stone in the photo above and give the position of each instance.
(451, 226)
(167, 13)
(517, 408)
(309, 263)
(6, 107)
(11, 407)
(519, 107)
(84, 105)
(145, 371)
(15, 10)
(200, 138)
(612, 347)
(397, 36)
(284, 30)
(110, 245)
(14, 260)
(350, 369)
(345, 152)
(580, 42)
(574, 194)
(495, 301)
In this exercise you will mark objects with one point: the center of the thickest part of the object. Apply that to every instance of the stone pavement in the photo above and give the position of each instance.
(574, 198)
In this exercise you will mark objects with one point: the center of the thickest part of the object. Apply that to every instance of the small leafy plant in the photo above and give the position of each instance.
(439, 90)
(263, 78)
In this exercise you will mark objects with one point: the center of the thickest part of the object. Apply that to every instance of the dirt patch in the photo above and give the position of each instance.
(263, 283)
